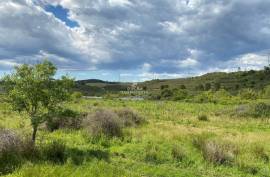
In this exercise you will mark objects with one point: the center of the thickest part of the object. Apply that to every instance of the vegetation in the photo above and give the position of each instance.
(208, 133)
(34, 91)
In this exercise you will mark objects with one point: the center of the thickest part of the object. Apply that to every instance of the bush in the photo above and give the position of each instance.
(104, 122)
(10, 151)
(166, 93)
(261, 110)
(261, 153)
(180, 94)
(55, 152)
(129, 117)
(248, 94)
(76, 96)
(178, 153)
(65, 118)
(266, 93)
(151, 153)
(203, 117)
(258, 110)
(220, 154)
(205, 97)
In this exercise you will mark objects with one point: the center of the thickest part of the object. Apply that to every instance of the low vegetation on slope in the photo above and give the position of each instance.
(212, 133)
(173, 140)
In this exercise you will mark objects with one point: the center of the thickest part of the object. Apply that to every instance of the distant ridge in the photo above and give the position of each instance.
(232, 82)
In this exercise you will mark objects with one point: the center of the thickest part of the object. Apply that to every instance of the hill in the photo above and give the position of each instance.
(232, 82)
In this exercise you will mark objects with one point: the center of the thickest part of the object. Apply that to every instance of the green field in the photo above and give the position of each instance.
(172, 142)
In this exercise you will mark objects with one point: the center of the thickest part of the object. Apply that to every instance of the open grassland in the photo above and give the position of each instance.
(178, 139)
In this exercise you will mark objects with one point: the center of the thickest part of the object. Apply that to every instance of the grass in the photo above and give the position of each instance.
(173, 142)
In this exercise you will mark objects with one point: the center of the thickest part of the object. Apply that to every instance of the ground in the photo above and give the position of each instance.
(147, 150)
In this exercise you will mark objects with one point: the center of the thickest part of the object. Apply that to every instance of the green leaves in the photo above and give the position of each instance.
(33, 89)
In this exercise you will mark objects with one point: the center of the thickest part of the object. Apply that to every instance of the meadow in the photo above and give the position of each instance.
(176, 139)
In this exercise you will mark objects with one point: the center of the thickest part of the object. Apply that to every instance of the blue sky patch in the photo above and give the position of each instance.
(62, 14)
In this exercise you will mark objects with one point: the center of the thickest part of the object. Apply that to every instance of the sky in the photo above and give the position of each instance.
(135, 40)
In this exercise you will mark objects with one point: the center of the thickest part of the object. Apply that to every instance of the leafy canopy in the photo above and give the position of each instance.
(33, 90)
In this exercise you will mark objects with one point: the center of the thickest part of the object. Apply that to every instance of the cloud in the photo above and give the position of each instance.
(174, 37)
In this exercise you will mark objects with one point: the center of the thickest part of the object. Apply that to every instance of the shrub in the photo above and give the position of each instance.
(77, 156)
(95, 104)
(266, 93)
(55, 152)
(104, 122)
(76, 96)
(65, 118)
(10, 149)
(178, 153)
(151, 153)
(130, 117)
(261, 153)
(166, 93)
(203, 117)
(198, 141)
(205, 97)
(219, 153)
(180, 94)
(261, 110)
(258, 110)
(248, 94)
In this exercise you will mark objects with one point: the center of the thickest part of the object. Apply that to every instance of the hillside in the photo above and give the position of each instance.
(232, 82)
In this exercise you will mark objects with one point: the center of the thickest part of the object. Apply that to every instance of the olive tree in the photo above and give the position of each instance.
(32, 90)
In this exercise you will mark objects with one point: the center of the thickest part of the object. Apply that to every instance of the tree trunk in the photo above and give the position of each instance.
(34, 134)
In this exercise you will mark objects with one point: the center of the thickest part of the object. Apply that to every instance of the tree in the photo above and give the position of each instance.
(32, 90)
(166, 93)
(182, 87)
(217, 86)
(207, 86)
(162, 87)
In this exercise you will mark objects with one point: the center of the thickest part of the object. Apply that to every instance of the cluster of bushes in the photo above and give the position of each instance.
(216, 152)
(65, 118)
(102, 121)
(110, 123)
(257, 110)
(13, 150)
(221, 152)
(210, 96)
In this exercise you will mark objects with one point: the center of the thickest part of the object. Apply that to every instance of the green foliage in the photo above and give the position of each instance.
(164, 87)
(205, 97)
(266, 93)
(207, 86)
(34, 91)
(76, 96)
(248, 94)
(180, 94)
(178, 153)
(173, 143)
(203, 117)
(166, 93)
(152, 154)
(55, 152)
(257, 110)
(261, 153)
(261, 110)
(64, 118)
